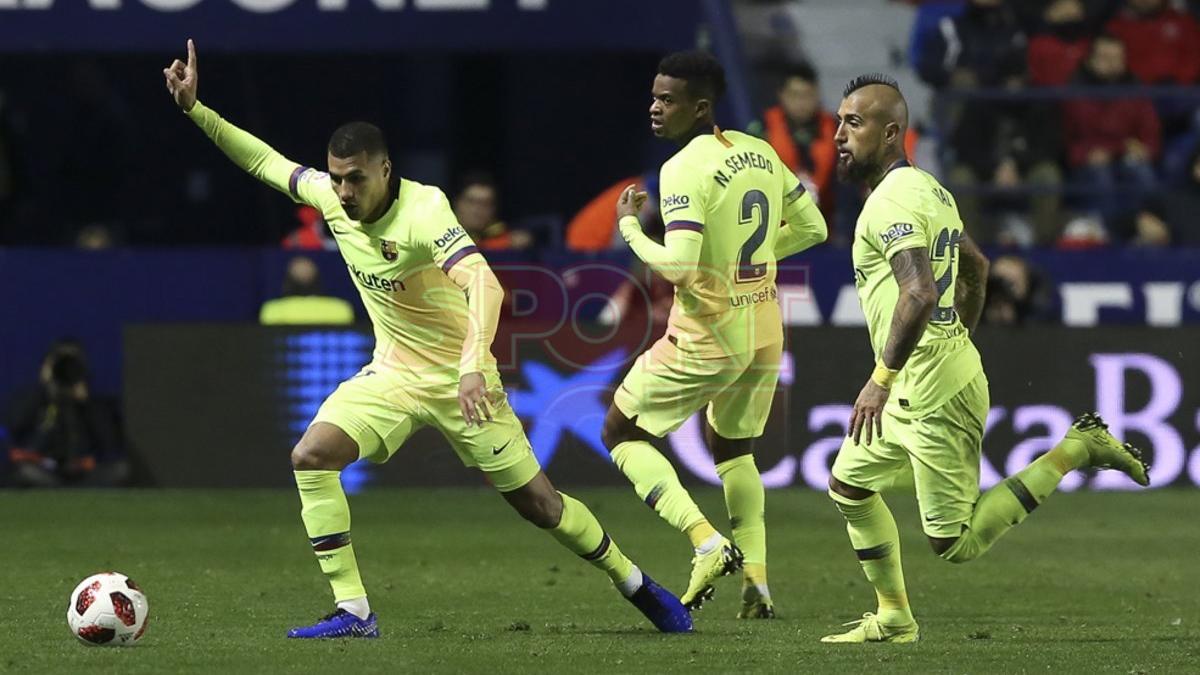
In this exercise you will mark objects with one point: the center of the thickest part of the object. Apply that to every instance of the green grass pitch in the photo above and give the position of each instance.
(1090, 583)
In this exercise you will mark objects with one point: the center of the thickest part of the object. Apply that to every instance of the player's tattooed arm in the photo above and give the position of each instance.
(918, 296)
(971, 288)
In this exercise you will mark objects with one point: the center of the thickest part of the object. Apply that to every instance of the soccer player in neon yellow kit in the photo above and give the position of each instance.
(723, 195)
(434, 304)
(921, 284)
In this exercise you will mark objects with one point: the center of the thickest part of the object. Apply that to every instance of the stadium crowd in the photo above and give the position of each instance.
(1069, 123)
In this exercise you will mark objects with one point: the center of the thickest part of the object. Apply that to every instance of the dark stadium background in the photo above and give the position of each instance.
(553, 107)
(122, 228)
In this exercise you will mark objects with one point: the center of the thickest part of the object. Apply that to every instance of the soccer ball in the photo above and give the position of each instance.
(108, 609)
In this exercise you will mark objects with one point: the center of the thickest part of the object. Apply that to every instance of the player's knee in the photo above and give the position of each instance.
(307, 456)
(544, 510)
(956, 550)
(616, 430)
(848, 491)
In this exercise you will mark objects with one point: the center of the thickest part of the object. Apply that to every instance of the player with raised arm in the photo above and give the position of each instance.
(723, 195)
(921, 284)
(434, 304)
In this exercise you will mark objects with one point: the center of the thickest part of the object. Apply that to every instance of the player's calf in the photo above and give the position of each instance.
(538, 502)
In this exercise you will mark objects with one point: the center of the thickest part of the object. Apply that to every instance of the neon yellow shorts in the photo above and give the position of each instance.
(666, 385)
(380, 409)
(943, 449)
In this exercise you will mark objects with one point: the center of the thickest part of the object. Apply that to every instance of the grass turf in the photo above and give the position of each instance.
(1092, 582)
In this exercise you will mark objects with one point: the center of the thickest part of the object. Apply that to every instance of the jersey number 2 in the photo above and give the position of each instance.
(945, 248)
(747, 270)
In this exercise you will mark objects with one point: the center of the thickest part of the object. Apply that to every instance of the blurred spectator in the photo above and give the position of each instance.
(312, 234)
(1162, 43)
(1177, 209)
(1163, 47)
(1082, 232)
(1060, 44)
(1016, 293)
(1008, 146)
(802, 134)
(594, 228)
(1111, 143)
(983, 46)
(95, 237)
(302, 302)
(60, 433)
(476, 206)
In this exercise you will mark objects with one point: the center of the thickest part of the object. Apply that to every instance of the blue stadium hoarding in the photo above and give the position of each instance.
(346, 25)
(250, 392)
(1083, 288)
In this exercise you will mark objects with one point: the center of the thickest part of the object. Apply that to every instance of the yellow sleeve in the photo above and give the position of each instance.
(301, 183)
(892, 227)
(803, 224)
(484, 298)
(682, 203)
(675, 260)
(455, 253)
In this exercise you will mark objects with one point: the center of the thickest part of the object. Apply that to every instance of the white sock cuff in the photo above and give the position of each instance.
(357, 606)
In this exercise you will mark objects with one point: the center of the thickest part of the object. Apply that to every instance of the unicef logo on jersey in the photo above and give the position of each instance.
(896, 231)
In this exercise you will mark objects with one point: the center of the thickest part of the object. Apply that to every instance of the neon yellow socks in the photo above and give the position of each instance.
(656, 483)
(1007, 504)
(746, 501)
(876, 542)
(580, 532)
(326, 518)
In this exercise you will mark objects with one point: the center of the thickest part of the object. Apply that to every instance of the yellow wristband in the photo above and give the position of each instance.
(629, 221)
(883, 376)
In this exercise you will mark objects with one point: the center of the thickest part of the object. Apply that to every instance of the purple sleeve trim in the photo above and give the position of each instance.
(685, 225)
(458, 255)
(295, 179)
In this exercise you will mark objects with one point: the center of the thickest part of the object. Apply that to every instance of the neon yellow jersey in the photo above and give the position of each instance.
(399, 264)
(910, 209)
(730, 188)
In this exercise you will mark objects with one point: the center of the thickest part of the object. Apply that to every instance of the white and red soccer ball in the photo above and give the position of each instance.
(108, 609)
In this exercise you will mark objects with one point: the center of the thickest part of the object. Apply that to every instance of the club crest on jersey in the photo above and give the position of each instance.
(388, 249)
(896, 231)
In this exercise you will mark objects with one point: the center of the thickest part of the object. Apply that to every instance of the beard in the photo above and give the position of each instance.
(854, 171)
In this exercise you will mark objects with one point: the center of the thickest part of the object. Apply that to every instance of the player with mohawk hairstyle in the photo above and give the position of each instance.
(921, 284)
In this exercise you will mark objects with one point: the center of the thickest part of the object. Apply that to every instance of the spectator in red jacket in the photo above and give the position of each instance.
(1060, 44)
(1111, 143)
(1163, 43)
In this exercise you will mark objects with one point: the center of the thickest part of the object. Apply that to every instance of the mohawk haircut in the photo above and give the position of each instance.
(355, 137)
(703, 73)
(869, 79)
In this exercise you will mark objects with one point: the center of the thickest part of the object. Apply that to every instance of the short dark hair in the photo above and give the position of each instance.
(68, 368)
(869, 79)
(1105, 37)
(703, 73)
(797, 71)
(476, 177)
(355, 137)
